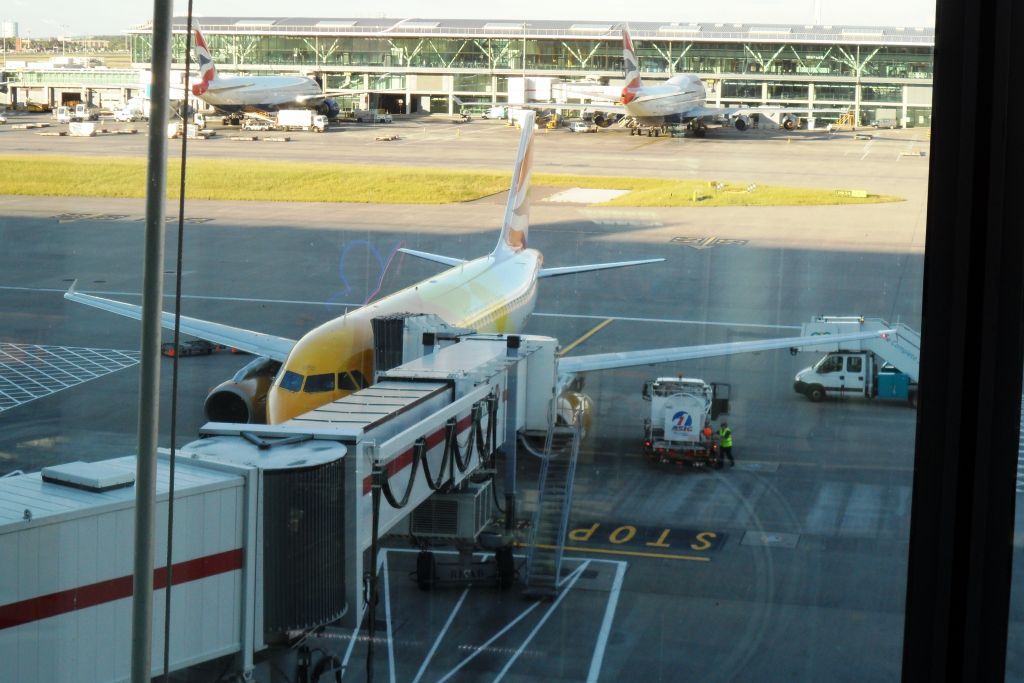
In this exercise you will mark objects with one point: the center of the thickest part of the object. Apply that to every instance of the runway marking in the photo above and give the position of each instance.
(672, 321)
(30, 371)
(867, 149)
(440, 636)
(606, 625)
(627, 553)
(593, 330)
(573, 578)
(483, 647)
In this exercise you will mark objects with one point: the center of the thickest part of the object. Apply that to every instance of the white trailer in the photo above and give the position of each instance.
(679, 427)
(301, 119)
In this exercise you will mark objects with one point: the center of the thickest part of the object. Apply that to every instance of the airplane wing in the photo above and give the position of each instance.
(275, 348)
(436, 258)
(544, 272)
(569, 270)
(626, 359)
(574, 106)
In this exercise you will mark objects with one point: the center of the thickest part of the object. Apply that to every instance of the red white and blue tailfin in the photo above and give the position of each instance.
(630, 68)
(207, 69)
(516, 226)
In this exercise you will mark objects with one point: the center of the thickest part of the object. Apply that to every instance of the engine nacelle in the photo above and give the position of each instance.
(742, 122)
(789, 121)
(573, 406)
(243, 398)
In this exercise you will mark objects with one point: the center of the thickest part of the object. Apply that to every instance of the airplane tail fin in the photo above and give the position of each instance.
(516, 225)
(630, 68)
(207, 69)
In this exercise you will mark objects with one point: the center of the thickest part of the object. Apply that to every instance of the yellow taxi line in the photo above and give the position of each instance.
(594, 330)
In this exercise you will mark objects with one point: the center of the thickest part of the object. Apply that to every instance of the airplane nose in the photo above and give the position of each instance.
(284, 405)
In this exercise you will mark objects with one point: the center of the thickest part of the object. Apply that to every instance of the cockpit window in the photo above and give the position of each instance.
(352, 381)
(318, 383)
(292, 381)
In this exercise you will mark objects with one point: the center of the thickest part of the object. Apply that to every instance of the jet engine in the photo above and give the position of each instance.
(243, 398)
(789, 121)
(573, 405)
(742, 122)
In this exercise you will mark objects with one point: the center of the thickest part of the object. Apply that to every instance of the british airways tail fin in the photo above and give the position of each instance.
(516, 225)
(207, 69)
(630, 68)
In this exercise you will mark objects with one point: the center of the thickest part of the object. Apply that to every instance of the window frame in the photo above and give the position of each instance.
(962, 510)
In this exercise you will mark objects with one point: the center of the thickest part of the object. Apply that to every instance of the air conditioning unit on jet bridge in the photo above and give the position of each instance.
(457, 515)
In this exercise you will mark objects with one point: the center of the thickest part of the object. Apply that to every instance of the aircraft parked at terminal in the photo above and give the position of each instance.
(681, 99)
(493, 293)
(236, 95)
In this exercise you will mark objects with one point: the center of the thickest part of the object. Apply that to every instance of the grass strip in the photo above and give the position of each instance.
(291, 181)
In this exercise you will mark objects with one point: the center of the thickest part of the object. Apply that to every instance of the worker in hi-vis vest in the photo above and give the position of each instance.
(725, 442)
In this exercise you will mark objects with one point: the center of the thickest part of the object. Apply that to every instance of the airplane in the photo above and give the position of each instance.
(681, 99)
(236, 95)
(492, 293)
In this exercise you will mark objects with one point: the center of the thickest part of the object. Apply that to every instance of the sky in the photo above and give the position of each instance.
(39, 19)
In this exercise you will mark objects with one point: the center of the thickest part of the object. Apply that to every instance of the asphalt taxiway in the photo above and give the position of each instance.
(790, 566)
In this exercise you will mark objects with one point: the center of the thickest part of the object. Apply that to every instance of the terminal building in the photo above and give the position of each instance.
(441, 66)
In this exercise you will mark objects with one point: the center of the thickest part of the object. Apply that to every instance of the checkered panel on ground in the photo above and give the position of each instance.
(30, 371)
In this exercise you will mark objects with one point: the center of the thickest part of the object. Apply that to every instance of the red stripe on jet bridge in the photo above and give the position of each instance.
(55, 604)
(405, 458)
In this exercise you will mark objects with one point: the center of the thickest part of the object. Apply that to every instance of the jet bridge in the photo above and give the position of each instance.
(296, 508)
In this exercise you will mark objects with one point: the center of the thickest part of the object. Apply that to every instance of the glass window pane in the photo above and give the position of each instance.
(319, 383)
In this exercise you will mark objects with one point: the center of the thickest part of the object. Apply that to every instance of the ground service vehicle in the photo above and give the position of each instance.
(857, 373)
(371, 116)
(301, 119)
(582, 127)
(495, 113)
(679, 428)
(883, 367)
(63, 114)
(84, 112)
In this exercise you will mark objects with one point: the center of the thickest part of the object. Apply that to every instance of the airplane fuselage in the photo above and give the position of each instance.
(261, 93)
(487, 294)
(669, 101)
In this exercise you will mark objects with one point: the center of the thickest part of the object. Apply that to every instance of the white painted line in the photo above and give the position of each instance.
(440, 636)
(387, 621)
(351, 646)
(573, 578)
(606, 625)
(667, 320)
(487, 644)
(867, 150)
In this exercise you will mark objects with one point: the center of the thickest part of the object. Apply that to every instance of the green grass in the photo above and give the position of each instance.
(285, 181)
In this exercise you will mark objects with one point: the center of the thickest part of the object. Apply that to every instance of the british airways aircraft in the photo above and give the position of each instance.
(681, 99)
(236, 95)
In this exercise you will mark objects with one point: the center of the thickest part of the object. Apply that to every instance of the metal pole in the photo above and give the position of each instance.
(149, 382)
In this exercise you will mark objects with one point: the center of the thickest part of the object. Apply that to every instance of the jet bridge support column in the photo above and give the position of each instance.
(511, 420)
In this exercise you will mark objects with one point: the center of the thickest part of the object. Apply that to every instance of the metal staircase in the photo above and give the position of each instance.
(551, 519)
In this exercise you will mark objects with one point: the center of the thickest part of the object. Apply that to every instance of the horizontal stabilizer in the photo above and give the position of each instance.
(628, 359)
(569, 270)
(275, 348)
(437, 258)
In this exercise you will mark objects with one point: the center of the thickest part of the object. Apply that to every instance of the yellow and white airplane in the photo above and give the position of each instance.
(493, 293)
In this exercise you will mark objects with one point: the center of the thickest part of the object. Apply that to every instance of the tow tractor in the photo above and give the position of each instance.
(679, 428)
